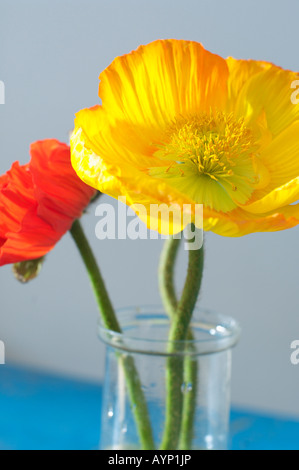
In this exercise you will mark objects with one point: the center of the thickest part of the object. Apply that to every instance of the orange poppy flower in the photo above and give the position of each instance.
(39, 202)
(180, 125)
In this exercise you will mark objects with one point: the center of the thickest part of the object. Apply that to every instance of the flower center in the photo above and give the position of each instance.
(215, 153)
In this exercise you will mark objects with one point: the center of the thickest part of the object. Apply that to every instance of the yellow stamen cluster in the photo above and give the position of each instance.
(214, 143)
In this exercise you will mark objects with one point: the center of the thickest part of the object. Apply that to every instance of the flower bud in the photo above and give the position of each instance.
(25, 271)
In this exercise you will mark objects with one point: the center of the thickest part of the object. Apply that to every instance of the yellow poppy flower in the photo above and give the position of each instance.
(180, 125)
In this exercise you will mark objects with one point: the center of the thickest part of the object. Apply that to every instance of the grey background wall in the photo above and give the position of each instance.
(51, 53)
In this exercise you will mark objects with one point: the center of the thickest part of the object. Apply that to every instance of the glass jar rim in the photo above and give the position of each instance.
(211, 332)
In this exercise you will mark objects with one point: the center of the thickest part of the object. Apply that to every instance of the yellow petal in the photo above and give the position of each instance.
(91, 168)
(286, 194)
(240, 72)
(135, 186)
(166, 78)
(281, 159)
(281, 156)
(268, 91)
(238, 222)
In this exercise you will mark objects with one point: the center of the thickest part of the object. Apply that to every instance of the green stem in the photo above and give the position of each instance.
(191, 385)
(105, 306)
(138, 402)
(139, 406)
(166, 274)
(178, 332)
(189, 297)
(189, 400)
(170, 302)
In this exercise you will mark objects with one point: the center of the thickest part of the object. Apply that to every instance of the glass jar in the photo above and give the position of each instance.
(162, 395)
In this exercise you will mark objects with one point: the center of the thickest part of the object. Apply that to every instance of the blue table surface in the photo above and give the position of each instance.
(46, 412)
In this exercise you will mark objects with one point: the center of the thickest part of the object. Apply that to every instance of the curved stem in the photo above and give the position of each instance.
(166, 274)
(178, 332)
(110, 322)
